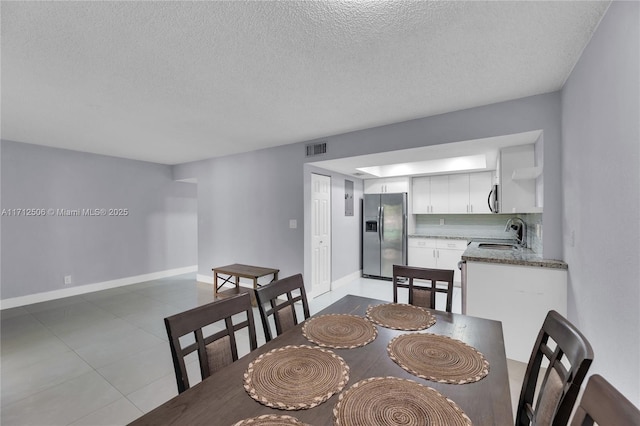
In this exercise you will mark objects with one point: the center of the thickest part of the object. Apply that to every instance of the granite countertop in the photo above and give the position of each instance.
(525, 257)
(443, 236)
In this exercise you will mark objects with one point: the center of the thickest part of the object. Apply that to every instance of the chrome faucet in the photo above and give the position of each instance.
(516, 224)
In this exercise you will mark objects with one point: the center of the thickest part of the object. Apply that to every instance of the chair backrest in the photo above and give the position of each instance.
(216, 350)
(569, 357)
(271, 302)
(605, 405)
(423, 293)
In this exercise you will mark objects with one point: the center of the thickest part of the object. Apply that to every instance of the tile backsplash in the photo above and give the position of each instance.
(533, 241)
(481, 225)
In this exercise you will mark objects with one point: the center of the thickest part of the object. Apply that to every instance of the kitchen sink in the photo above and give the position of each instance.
(497, 246)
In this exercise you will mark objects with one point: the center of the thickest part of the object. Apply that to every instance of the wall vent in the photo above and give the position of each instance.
(316, 149)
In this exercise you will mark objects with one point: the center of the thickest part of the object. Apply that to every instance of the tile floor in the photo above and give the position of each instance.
(103, 359)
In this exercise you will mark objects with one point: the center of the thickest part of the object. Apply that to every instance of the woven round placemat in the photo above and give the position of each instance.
(339, 331)
(271, 420)
(400, 316)
(438, 358)
(396, 401)
(295, 377)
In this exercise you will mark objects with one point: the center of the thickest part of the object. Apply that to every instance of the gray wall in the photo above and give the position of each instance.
(601, 189)
(37, 252)
(245, 203)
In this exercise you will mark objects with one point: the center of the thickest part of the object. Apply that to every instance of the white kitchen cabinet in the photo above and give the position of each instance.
(480, 185)
(439, 253)
(519, 296)
(468, 192)
(421, 195)
(386, 185)
(452, 194)
(430, 194)
(518, 195)
(459, 193)
(439, 194)
(422, 252)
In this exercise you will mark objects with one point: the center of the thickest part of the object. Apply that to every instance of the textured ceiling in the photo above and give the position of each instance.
(171, 82)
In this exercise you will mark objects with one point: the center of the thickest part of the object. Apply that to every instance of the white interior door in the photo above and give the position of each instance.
(320, 234)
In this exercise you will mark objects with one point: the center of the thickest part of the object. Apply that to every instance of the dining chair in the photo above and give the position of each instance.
(568, 355)
(423, 293)
(604, 405)
(271, 302)
(216, 348)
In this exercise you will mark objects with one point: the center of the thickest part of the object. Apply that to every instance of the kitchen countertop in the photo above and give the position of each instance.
(461, 235)
(443, 236)
(524, 257)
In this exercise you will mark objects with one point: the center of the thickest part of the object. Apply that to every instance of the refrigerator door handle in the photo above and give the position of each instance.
(379, 215)
(381, 227)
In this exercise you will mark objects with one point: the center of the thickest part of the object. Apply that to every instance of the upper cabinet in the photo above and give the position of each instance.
(480, 185)
(386, 185)
(439, 194)
(430, 194)
(460, 193)
(518, 174)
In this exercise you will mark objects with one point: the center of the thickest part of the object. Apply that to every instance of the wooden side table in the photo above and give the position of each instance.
(237, 271)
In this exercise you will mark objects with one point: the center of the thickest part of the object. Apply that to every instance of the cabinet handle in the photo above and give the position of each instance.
(434, 253)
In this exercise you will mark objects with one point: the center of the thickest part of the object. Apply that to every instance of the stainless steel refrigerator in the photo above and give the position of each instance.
(384, 234)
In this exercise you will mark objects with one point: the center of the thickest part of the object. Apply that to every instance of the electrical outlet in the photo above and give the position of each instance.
(442, 221)
(67, 279)
(538, 230)
(293, 224)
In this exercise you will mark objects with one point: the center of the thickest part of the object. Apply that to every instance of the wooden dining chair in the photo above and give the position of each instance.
(569, 356)
(423, 293)
(215, 350)
(604, 405)
(271, 302)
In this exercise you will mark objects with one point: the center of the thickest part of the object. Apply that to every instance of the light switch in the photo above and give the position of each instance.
(293, 224)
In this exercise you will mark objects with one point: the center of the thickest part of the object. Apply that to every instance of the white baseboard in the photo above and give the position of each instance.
(15, 302)
(339, 283)
(208, 279)
(205, 279)
(346, 279)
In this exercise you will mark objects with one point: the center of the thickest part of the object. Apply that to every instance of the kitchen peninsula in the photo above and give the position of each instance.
(516, 286)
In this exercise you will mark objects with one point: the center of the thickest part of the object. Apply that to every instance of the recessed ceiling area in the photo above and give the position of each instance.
(429, 160)
(429, 167)
(178, 81)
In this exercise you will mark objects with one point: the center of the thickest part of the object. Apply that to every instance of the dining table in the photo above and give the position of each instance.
(222, 399)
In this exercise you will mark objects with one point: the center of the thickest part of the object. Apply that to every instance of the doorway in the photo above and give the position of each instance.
(320, 234)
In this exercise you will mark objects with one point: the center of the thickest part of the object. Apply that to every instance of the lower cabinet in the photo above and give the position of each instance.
(440, 253)
(519, 297)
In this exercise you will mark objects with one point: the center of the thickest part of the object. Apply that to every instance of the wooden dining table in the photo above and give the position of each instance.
(222, 400)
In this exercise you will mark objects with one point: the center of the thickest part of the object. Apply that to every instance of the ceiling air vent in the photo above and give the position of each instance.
(316, 149)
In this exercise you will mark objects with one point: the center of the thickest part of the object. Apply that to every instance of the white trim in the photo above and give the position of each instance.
(347, 279)
(88, 288)
(205, 279)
